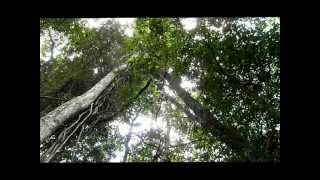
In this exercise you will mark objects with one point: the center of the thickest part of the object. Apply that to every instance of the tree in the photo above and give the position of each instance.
(228, 135)
(55, 118)
(233, 112)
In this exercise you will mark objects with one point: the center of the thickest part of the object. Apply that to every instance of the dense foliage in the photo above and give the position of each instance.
(234, 64)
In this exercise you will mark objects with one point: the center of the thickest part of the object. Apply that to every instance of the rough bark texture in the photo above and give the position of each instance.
(228, 135)
(50, 122)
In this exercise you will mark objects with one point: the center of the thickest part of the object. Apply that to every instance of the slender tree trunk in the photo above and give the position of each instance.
(50, 122)
(128, 138)
(167, 143)
(52, 45)
(228, 135)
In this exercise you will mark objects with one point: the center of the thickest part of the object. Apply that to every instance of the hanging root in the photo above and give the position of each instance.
(101, 103)
(62, 138)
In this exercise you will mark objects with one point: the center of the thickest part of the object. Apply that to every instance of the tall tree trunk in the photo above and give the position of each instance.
(228, 135)
(50, 122)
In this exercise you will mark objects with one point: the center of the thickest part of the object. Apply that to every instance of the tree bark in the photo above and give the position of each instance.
(179, 106)
(228, 135)
(128, 138)
(167, 142)
(50, 122)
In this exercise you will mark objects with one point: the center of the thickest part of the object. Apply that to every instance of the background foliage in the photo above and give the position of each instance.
(234, 62)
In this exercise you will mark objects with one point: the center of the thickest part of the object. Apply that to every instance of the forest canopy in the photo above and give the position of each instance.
(160, 89)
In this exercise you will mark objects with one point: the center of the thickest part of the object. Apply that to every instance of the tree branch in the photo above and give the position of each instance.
(54, 98)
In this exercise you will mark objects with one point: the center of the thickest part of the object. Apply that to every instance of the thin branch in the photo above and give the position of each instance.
(54, 98)
(185, 144)
(143, 142)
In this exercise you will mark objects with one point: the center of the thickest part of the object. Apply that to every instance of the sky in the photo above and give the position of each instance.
(188, 23)
(127, 23)
(148, 122)
(128, 26)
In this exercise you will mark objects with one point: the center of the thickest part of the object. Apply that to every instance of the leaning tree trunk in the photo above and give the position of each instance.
(228, 135)
(50, 122)
(99, 120)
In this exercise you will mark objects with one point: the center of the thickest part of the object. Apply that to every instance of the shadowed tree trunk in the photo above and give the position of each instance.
(228, 135)
(179, 106)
